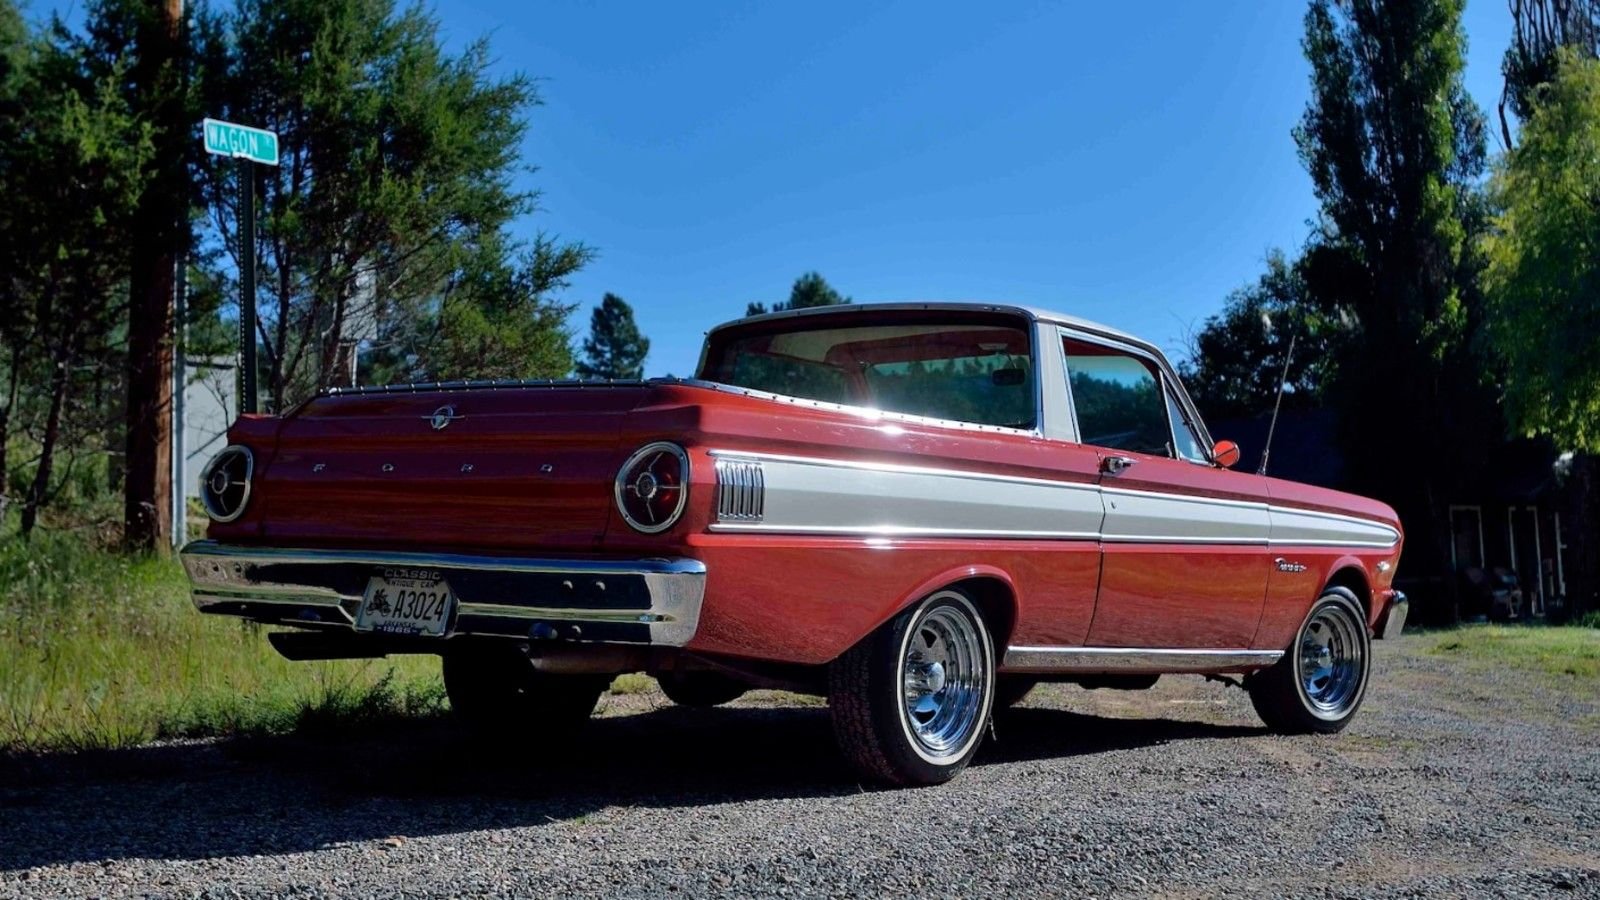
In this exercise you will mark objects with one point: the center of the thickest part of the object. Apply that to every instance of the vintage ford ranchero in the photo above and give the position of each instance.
(917, 510)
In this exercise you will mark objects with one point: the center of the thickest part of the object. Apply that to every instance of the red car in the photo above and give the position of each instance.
(918, 510)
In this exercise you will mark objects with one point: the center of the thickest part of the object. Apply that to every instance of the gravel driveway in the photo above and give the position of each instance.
(1453, 780)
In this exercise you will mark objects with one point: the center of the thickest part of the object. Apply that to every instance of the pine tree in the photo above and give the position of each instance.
(615, 349)
(809, 290)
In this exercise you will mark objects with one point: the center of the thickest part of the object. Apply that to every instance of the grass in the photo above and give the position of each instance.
(632, 683)
(1569, 652)
(100, 650)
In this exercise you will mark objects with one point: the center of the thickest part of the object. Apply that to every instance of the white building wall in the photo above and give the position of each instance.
(209, 404)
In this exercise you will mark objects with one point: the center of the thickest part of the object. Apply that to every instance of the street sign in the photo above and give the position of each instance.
(246, 145)
(241, 142)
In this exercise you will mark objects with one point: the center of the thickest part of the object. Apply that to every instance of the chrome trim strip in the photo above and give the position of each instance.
(472, 385)
(900, 531)
(276, 555)
(1186, 498)
(226, 574)
(901, 468)
(506, 611)
(741, 490)
(1111, 659)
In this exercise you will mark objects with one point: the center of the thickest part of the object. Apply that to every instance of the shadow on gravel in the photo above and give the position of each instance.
(294, 794)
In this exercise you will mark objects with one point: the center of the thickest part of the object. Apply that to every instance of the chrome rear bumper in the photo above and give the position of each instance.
(643, 601)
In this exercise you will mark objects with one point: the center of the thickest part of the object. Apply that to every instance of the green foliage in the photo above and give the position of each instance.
(387, 223)
(1394, 146)
(1392, 142)
(72, 166)
(496, 322)
(809, 290)
(1236, 360)
(615, 348)
(1541, 29)
(1543, 279)
(389, 227)
(104, 650)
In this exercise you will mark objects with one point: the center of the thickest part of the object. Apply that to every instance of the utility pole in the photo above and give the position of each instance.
(160, 231)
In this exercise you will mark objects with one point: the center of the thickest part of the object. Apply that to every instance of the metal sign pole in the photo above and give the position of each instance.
(180, 384)
(247, 146)
(247, 285)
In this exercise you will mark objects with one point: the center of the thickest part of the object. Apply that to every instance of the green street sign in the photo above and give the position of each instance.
(241, 142)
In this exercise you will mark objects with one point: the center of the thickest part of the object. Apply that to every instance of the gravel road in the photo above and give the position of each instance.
(1453, 781)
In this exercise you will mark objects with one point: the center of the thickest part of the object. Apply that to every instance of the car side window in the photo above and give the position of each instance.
(1184, 440)
(1118, 399)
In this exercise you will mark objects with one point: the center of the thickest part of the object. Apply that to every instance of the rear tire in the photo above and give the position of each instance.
(1321, 680)
(700, 689)
(496, 692)
(910, 702)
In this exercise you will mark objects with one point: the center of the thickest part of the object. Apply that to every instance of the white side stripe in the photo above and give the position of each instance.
(814, 496)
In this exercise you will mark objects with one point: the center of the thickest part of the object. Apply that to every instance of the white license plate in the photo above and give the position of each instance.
(399, 603)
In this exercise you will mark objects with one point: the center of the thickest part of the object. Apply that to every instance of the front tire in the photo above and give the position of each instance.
(910, 702)
(1320, 682)
(496, 692)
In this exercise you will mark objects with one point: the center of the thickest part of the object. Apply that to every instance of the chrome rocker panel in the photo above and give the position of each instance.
(653, 602)
(1099, 660)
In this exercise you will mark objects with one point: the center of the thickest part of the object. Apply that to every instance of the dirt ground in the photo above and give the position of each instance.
(1458, 778)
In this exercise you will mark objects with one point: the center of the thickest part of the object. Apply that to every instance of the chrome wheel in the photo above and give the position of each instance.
(944, 674)
(1331, 661)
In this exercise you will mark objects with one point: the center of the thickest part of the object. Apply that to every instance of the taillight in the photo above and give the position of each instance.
(225, 484)
(653, 486)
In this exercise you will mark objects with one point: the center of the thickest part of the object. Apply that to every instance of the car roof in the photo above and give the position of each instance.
(1031, 312)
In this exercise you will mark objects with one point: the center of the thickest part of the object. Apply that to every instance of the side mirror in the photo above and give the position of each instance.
(1226, 454)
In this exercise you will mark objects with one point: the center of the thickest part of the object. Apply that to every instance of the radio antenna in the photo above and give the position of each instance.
(1283, 380)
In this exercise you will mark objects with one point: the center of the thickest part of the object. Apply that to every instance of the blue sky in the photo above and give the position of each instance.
(1129, 168)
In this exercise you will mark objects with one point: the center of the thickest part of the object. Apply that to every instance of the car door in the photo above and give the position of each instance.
(1185, 559)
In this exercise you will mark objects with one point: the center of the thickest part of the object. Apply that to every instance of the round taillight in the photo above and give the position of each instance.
(653, 486)
(225, 483)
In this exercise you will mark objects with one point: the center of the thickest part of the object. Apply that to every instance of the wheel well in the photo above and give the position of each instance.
(997, 605)
(1351, 579)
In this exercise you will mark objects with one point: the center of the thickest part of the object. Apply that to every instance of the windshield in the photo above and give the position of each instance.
(959, 367)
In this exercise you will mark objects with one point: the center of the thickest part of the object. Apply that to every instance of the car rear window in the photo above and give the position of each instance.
(963, 369)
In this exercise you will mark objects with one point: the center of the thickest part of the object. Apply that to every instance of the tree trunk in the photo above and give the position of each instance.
(1583, 536)
(12, 392)
(59, 379)
(159, 230)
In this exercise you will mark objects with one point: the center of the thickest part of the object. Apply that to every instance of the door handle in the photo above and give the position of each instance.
(1116, 465)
